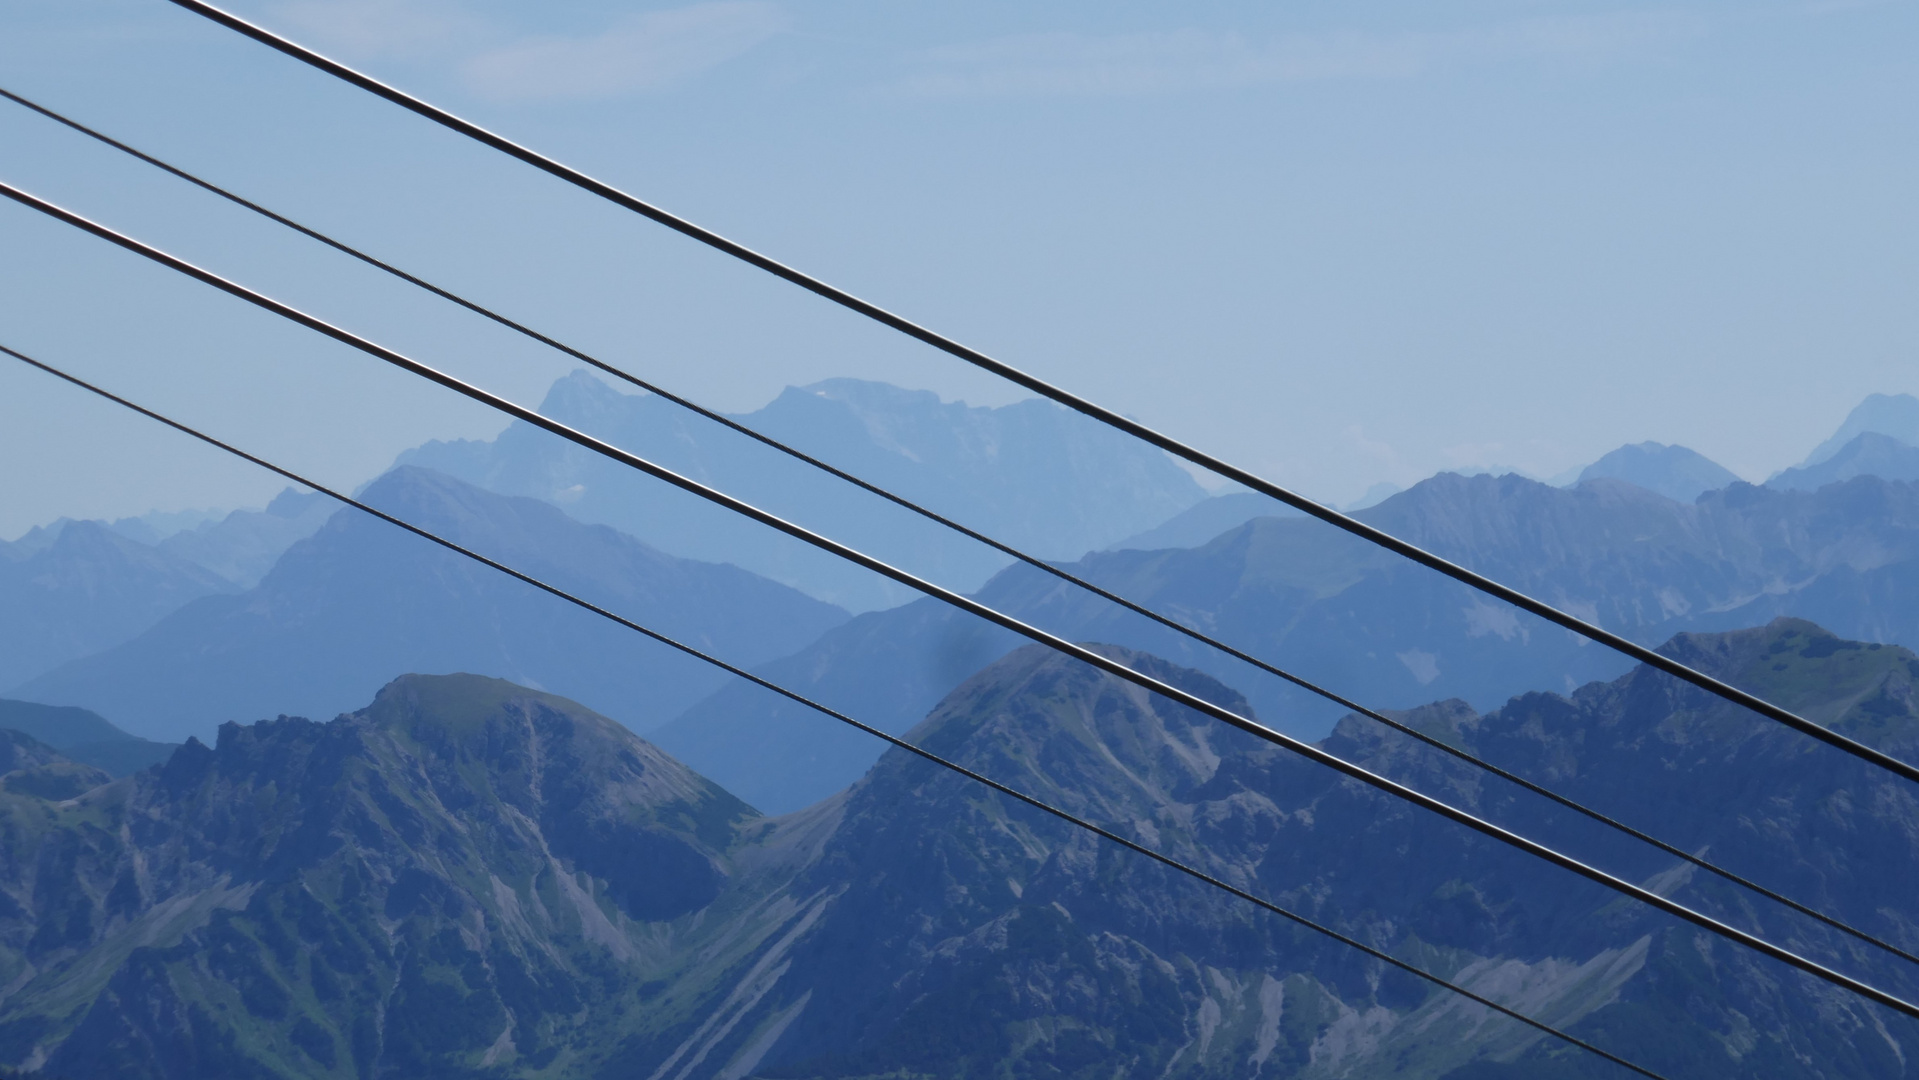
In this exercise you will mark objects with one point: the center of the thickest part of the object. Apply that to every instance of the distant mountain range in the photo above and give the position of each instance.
(243, 545)
(361, 602)
(1879, 438)
(1868, 454)
(81, 588)
(1359, 620)
(1031, 474)
(84, 592)
(471, 879)
(1893, 415)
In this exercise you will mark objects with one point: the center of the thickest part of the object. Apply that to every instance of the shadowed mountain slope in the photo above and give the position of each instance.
(83, 736)
(362, 602)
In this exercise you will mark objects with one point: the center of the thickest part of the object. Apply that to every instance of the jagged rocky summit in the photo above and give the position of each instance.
(473, 879)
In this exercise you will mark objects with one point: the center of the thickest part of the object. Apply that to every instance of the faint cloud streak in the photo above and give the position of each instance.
(1149, 63)
(386, 28)
(638, 53)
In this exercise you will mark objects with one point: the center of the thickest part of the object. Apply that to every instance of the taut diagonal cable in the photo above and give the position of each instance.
(1030, 560)
(947, 345)
(911, 748)
(974, 607)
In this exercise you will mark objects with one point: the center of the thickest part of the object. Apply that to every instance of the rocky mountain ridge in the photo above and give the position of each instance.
(471, 879)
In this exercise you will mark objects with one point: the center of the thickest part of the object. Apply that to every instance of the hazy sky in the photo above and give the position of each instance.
(1338, 243)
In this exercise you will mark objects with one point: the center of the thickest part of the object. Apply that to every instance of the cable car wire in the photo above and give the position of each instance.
(1332, 517)
(974, 607)
(945, 763)
(1030, 560)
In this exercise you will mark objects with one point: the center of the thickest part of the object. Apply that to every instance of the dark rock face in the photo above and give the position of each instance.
(469, 879)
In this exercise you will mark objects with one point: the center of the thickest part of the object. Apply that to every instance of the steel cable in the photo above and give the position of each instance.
(974, 607)
(1030, 560)
(1366, 532)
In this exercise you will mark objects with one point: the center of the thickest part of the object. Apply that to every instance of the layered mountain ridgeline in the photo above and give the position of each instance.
(84, 736)
(1358, 619)
(470, 879)
(243, 545)
(1896, 415)
(1868, 454)
(75, 590)
(1031, 474)
(362, 602)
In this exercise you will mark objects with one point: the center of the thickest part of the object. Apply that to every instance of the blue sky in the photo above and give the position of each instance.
(1338, 243)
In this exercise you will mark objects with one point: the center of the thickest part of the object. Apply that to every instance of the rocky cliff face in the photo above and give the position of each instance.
(472, 879)
(465, 876)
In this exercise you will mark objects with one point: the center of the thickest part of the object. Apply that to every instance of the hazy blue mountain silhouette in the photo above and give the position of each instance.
(77, 587)
(1351, 617)
(83, 736)
(1202, 521)
(1673, 471)
(362, 602)
(1896, 415)
(1031, 474)
(1868, 454)
(243, 545)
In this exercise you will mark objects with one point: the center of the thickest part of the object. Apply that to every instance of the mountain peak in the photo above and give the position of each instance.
(580, 398)
(1055, 723)
(1896, 415)
(1676, 472)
